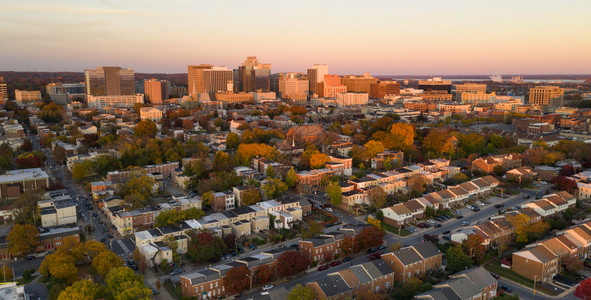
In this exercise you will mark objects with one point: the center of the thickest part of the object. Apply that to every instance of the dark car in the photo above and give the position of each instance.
(346, 259)
(234, 253)
(371, 250)
(495, 275)
(459, 216)
(476, 208)
(335, 263)
(374, 256)
(421, 225)
(438, 225)
(240, 249)
(30, 257)
(446, 232)
(252, 246)
(446, 217)
(506, 289)
(499, 205)
(110, 235)
(526, 197)
(322, 268)
(381, 247)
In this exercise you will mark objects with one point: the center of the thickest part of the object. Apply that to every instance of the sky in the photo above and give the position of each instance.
(412, 37)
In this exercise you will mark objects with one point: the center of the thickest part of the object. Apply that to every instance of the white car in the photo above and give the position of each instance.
(431, 222)
(328, 209)
(268, 287)
(479, 203)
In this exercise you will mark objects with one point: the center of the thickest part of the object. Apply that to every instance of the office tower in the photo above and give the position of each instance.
(236, 79)
(156, 91)
(470, 88)
(330, 87)
(195, 78)
(218, 79)
(64, 93)
(114, 101)
(3, 93)
(316, 76)
(359, 84)
(25, 97)
(109, 81)
(254, 76)
(435, 84)
(293, 88)
(381, 89)
(550, 96)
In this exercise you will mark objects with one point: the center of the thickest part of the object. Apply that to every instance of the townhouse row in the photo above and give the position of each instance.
(408, 212)
(475, 283)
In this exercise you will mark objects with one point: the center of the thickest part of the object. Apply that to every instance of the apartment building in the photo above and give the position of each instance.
(57, 211)
(381, 89)
(396, 158)
(488, 163)
(151, 113)
(413, 261)
(322, 248)
(476, 283)
(546, 96)
(16, 182)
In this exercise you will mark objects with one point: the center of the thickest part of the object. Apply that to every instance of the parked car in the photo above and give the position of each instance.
(374, 256)
(252, 246)
(346, 259)
(526, 197)
(499, 205)
(328, 209)
(421, 225)
(479, 203)
(371, 250)
(335, 263)
(495, 275)
(322, 268)
(176, 271)
(476, 208)
(464, 223)
(431, 222)
(240, 249)
(447, 232)
(268, 287)
(382, 247)
(506, 289)
(459, 216)
(438, 225)
(439, 219)
(447, 237)
(516, 207)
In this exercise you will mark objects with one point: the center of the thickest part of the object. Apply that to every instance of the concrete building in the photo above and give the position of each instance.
(352, 99)
(478, 98)
(217, 79)
(331, 87)
(195, 78)
(548, 96)
(359, 84)
(57, 211)
(254, 76)
(26, 97)
(64, 93)
(316, 76)
(114, 101)
(150, 113)
(293, 88)
(231, 97)
(435, 84)
(156, 91)
(3, 93)
(109, 81)
(474, 88)
(16, 182)
(381, 89)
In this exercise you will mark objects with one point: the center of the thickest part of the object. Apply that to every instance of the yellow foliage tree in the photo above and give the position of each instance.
(403, 136)
(372, 148)
(106, 261)
(375, 222)
(519, 223)
(318, 160)
(22, 239)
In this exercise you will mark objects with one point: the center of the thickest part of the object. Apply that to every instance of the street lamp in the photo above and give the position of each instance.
(250, 277)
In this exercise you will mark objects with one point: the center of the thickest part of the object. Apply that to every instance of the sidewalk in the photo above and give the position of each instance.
(151, 278)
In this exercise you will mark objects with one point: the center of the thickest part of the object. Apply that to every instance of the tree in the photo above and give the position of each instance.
(499, 171)
(300, 292)
(473, 245)
(374, 222)
(5, 273)
(438, 141)
(429, 211)
(377, 197)
(80, 290)
(403, 136)
(313, 229)
(59, 154)
(334, 193)
(395, 247)
(140, 260)
(411, 285)
(264, 274)
(535, 155)
(141, 186)
(318, 160)
(270, 171)
(572, 263)
(291, 263)
(80, 171)
(274, 188)
(124, 284)
(94, 248)
(247, 151)
(460, 178)
(583, 290)
(237, 280)
(564, 183)
(519, 223)
(145, 128)
(251, 196)
(222, 162)
(372, 148)
(22, 239)
(106, 261)
(457, 260)
(567, 170)
(292, 178)
(417, 184)
(59, 265)
(502, 242)
(380, 215)
(207, 198)
(371, 237)
(232, 140)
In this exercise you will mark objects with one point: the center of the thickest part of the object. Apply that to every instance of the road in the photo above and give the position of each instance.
(527, 294)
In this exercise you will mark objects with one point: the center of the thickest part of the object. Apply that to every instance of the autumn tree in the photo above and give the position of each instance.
(22, 239)
(473, 245)
(438, 141)
(207, 198)
(519, 222)
(232, 140)
(172, 217)
(140, 188)
(583, 290)
(81, 290)
(313, 229)
(318, 160)
(247, 151)
(300, 292)
(124, 283)
(371, 237)
(411, 285)
(237, 280)
(572, 263)
(251, 196)
(374, 221)
(403, 136)
(80, 171)
(222, 162)
(204, 247)
(535, 155)
(457, 260)
(106, 261)
(264, 274)
(59, 154)
(145, 128)
(270, 171)
(395, 246)
(564, 183)
(140, 260)
(372, 148)
(334, 193)
(417, 184)
(59, 265)
(292, 178)
(274, 188)
(5, 273)
(377, 197)
(503, 242)
(291, 263)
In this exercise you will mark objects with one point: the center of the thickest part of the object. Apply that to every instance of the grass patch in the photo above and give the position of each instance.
(174, 291)
(395, 229)
(495, 267)
(23, 281)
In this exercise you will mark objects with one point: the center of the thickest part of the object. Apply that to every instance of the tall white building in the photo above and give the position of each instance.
(351, 99)
(114, 101)
(24, 97)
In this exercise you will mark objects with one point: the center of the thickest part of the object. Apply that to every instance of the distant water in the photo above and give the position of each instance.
(506, 80)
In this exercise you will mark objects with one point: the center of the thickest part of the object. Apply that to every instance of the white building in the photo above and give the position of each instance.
(114, 101)
(351, 99)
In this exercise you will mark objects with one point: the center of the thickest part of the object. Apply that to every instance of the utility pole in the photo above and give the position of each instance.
(534, 294)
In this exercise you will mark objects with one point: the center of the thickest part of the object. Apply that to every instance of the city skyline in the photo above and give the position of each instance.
(382, 38)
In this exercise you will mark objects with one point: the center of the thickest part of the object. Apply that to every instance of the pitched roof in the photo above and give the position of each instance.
(426, 249)
(333, 285)
(407, 256)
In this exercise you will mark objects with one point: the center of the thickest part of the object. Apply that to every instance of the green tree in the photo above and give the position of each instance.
(124, 284)
(274, 188)
(457, 260)
(5, 273)
(145, 128)
(292, 178)
(22, 239)
(141, 185)
(222, 162)
(270, 171)
(300, 292)
(80, 171)
(380, 215)
(429, 211)
(411, 285)
(232, 140)
(81, 290)
(460, 178)
(334, 193)
(207, 198)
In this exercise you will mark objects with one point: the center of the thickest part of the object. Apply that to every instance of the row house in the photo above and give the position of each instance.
(323, 247)
(345, 164)
(167, 169)
(522, 173)
(403, 213)
(414, 261)
(506, 161)
(396, 158)
(309, 181)
(583, 180)
(223, 201)
(49, 240)
(553, 204)
(476, 283)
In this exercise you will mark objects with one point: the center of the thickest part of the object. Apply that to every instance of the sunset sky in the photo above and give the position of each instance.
(352, 37)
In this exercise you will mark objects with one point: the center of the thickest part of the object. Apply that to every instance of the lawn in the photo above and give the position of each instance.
(23, 281)
(495, 267)
(175, 291)
(395, 229)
